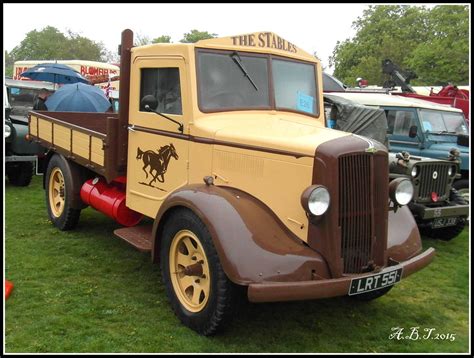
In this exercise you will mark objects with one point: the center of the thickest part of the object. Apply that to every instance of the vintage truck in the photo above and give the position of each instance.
(22, 158)
(223, 144)
(439, 210)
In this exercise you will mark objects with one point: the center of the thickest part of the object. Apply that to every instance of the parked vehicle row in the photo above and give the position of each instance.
(439, 209)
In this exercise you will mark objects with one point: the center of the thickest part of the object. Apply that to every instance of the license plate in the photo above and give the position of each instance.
(443, 222)
(374, 282)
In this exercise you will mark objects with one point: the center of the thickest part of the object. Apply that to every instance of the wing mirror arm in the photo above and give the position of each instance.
(149, 101)
(180, 125)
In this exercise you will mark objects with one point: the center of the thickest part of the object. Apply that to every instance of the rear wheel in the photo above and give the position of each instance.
(199, 291)
(62, 193)
(20, 174)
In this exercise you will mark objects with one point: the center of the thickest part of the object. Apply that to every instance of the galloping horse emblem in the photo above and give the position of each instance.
(156, 163)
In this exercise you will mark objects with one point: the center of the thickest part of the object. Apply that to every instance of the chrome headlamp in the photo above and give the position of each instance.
(401, 191)
(315, 200)
(452, 171)
(8, 131)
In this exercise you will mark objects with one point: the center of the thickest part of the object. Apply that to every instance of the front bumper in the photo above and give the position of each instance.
(306, 290)
(443, 212)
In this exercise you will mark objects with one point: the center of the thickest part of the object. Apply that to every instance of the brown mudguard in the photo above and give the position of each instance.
(252, 244)
(404, 239)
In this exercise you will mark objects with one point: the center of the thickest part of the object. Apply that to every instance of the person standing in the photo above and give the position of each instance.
(39, 104)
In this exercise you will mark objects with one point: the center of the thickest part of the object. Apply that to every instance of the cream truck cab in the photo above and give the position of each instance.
(223, 144)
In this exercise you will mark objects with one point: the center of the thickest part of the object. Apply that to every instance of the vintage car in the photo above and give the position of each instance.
(21, 156)
(421, 128)
(439, 209)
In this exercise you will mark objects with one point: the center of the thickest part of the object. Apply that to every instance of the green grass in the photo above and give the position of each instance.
(88, 291)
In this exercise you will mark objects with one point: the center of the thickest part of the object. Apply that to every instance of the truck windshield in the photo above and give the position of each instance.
(442, 122)
(241, 81)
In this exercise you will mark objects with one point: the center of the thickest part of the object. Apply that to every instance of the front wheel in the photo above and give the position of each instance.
(445, 233)
(462, 186)
(199, 291)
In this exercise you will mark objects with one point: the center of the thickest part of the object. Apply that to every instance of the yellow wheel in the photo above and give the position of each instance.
(63, 182)
(56, 192)
(189, 269)
(197, 287)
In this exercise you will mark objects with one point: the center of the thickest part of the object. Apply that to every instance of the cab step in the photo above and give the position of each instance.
(137, 236)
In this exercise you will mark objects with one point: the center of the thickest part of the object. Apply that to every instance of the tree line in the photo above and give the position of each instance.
(51, 44)
(432, 42)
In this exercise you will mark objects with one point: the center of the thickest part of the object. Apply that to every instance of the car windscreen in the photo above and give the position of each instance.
(442, 122)
(229, 80)
(295, 86)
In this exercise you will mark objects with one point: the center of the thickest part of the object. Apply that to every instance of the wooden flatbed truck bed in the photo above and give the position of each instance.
(88, 139)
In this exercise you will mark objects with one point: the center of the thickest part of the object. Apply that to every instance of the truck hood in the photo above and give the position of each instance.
(278, 132)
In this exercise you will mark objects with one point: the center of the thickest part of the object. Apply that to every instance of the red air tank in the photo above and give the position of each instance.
(110, 200)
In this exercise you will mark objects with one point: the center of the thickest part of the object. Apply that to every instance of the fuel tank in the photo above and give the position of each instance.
(110, 200)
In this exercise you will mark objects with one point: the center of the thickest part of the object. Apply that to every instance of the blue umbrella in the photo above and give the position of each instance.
(55, 73)
(78, 97)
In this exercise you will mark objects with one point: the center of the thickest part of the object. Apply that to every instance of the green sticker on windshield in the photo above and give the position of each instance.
(304, 102)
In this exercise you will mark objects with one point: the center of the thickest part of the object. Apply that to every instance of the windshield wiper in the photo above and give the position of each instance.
(235, 56)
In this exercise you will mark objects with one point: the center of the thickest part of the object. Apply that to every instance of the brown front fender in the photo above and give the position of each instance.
(404, 240)
(252, 243)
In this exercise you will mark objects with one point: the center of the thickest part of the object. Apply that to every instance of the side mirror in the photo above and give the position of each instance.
(463, 140)
(413, 131)
(148, 103)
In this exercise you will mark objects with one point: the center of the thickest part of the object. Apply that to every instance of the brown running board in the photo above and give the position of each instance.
(137, 236)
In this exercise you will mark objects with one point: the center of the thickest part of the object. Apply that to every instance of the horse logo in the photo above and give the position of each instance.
(156, 163)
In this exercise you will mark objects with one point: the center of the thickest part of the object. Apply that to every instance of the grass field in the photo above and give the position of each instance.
(87, 291)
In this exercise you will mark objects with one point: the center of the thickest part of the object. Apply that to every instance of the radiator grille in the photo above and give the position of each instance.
(356, 210)
(427, 184)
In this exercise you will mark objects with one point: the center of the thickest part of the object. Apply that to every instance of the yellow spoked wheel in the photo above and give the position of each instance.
(197, 287)
(57, 193)
(62, 194)
(189, 271)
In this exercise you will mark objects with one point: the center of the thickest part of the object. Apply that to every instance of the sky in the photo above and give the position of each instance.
(311, 27)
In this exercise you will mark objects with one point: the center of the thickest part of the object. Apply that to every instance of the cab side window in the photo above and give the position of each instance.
(399, 122)
(163, 84)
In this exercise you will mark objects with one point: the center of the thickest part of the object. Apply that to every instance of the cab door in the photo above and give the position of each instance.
(158, 150)
(400, 120)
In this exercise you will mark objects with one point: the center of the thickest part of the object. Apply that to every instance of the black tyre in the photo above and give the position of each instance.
(199, 291)
(450, 232)
(372, 295)
(62, 187)
(445, 233)
(462, 186)
(20, 174)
